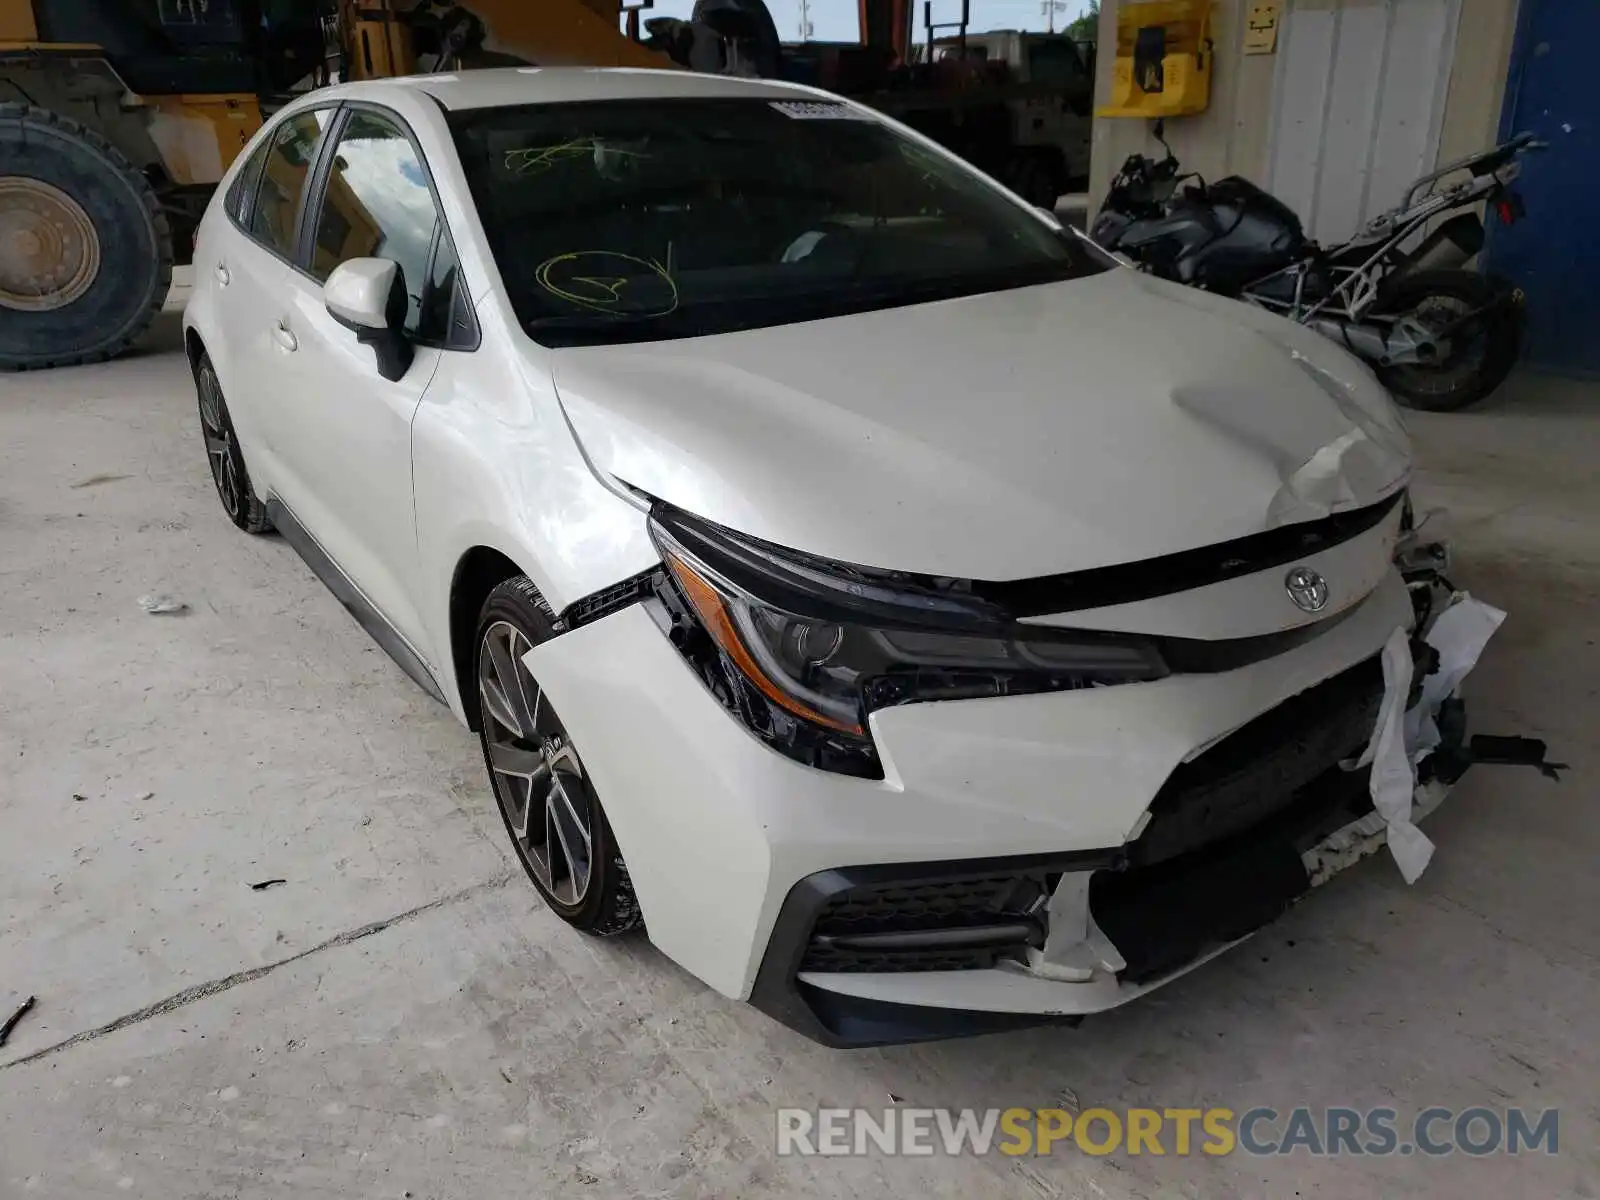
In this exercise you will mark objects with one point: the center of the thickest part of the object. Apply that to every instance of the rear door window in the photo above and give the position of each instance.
(285, 175)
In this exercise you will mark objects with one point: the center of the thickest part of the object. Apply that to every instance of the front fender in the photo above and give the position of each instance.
(495, 464)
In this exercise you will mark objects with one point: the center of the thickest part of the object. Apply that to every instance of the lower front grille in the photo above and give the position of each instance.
(950, 924)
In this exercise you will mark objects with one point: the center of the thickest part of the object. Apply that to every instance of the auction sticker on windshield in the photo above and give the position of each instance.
(818, 110)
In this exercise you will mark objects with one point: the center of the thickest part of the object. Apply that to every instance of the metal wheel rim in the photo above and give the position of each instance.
(49, 250)
(218, 433)
(538, 778)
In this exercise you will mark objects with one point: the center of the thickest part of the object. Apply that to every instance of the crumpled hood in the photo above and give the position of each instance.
(1001, 436)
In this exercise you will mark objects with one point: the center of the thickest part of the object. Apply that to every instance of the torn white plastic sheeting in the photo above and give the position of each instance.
(1402, 738)
(1458, 635)
(1394, 775)
(1345, 847)
(1074, 946)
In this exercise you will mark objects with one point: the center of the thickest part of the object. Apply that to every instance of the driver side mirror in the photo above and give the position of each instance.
(368, 296)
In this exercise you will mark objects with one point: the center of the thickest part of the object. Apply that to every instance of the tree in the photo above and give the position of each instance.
(1086, 27)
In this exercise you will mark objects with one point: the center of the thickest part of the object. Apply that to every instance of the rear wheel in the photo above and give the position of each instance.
(1472, 360)
(85, 250)
(546, 796)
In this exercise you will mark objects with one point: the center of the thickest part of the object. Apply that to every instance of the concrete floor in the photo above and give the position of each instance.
(402, 1018)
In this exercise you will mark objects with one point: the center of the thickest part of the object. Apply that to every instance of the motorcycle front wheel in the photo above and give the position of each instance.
(1475, 358)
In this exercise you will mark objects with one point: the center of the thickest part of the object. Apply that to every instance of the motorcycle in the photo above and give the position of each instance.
(1439, 337)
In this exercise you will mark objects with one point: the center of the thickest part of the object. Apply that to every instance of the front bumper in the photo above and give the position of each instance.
(907, 952)
(736, 852)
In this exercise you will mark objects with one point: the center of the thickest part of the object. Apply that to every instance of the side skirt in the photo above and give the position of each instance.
(375, 623)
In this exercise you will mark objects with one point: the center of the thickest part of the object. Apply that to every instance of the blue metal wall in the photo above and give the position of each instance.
(1554, 254)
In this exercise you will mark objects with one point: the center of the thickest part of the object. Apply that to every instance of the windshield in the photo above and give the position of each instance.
(630, 221)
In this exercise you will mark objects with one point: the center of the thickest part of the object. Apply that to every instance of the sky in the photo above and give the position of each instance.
(835, 20)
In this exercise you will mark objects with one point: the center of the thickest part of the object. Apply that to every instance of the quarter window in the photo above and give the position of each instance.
(242, 193)
(377, 205)
(283, 180)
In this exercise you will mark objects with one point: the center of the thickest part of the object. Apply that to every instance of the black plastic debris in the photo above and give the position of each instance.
(1454, 755)
(11, 1021)
(1515, 752)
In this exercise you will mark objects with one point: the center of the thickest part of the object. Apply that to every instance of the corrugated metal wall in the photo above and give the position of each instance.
(1232, 136)
(1359, 94)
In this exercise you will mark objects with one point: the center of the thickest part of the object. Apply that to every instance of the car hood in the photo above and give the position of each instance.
(999, 436)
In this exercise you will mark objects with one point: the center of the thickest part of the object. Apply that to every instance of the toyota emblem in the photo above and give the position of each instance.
(1307, 589)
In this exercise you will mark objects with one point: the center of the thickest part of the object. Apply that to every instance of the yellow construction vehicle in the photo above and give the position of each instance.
(118, 117)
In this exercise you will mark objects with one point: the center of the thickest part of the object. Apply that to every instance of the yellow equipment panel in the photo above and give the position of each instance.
(16, 22)
(552, 33)
(1163, 59)
(200, 136)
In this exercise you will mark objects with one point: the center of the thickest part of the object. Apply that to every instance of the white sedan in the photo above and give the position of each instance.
(915, 620)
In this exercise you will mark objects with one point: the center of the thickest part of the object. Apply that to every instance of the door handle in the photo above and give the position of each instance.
(223, 277)
(285, 337)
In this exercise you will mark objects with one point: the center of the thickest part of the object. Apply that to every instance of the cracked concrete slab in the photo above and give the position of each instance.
(249, 738)
(212, 987)
(479, 1048)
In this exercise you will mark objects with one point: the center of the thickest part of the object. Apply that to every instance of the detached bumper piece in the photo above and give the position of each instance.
(1220, 856)
(1495, 750)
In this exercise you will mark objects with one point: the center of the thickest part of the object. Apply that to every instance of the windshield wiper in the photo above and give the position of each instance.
(591, 329)
(596, 321)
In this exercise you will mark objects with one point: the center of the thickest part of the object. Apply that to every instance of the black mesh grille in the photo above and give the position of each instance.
(1259, 769)
(972, 903)
(833, 958)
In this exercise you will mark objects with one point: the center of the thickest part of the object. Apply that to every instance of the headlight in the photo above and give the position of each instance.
(802, 650)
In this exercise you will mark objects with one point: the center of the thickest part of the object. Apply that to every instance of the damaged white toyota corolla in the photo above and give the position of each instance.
(918, 622)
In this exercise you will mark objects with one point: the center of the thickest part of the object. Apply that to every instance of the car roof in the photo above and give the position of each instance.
(506, 86)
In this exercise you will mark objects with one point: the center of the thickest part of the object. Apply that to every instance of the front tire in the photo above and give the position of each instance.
(1478, 358)
(546, 796)
(225, 455)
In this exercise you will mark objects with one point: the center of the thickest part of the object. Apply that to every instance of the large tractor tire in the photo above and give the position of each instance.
(85, 250)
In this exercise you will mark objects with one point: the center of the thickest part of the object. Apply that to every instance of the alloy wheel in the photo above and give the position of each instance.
(221, 450)
(538, 778)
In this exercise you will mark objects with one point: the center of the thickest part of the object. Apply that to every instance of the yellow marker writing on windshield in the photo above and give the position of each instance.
(605, 292)
(534, 160)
